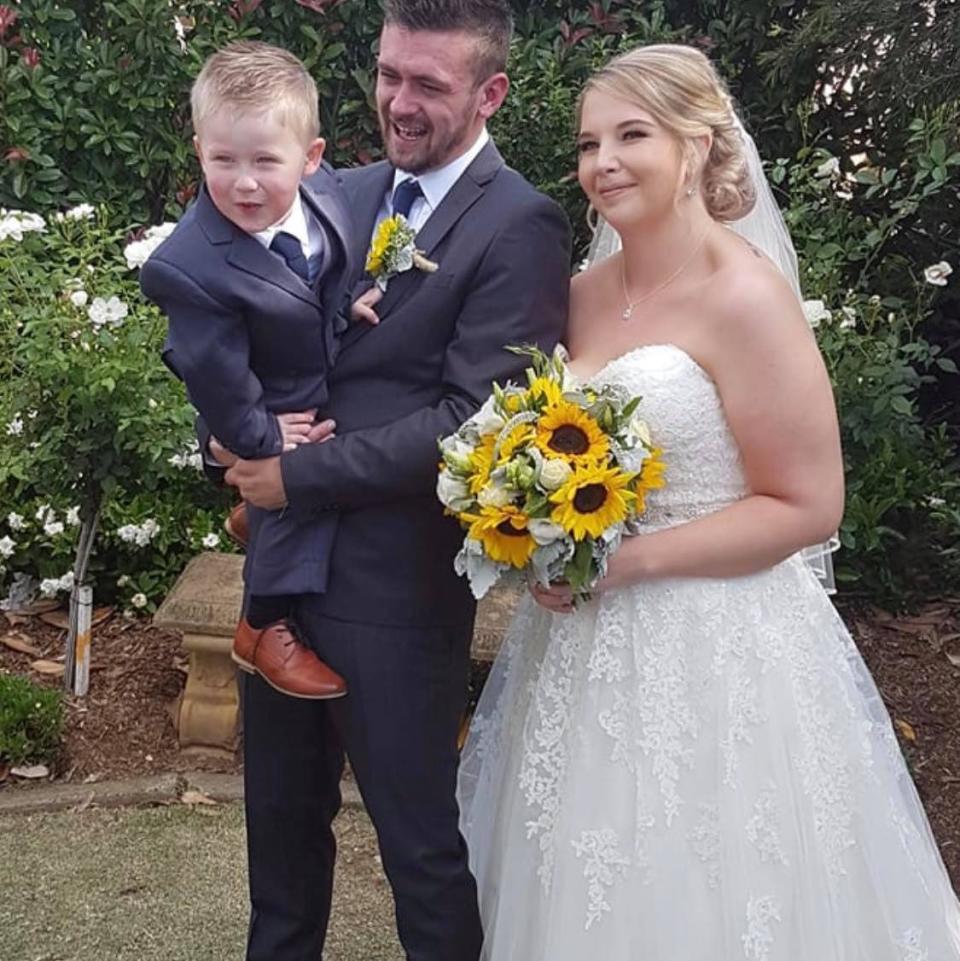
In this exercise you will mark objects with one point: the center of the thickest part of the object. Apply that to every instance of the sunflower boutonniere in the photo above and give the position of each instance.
(393, 251)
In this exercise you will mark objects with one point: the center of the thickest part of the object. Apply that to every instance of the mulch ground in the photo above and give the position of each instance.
(124, 726)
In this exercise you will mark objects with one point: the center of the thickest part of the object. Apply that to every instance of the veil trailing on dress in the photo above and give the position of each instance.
(765, 229)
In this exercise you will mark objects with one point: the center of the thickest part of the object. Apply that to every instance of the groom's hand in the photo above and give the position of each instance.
(321, 432)
(259, 481)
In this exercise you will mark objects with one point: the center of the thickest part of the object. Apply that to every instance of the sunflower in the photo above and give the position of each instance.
(513, 402)
(481, 460)
(650, 476)
(482, 457)
(380, 243)
(547, 389)
(593, 499)
(567, 431)
(504, 534)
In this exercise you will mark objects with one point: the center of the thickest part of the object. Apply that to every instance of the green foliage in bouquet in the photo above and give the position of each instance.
(31, 721)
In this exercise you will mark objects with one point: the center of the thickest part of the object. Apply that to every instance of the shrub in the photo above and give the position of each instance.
(31, 721)
(901, 526)
(94, 107)
(93, 429)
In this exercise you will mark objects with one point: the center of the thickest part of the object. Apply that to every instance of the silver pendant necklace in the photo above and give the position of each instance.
(631, 304)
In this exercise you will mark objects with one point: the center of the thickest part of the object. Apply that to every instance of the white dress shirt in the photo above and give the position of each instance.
(305, 228)
(435, 185)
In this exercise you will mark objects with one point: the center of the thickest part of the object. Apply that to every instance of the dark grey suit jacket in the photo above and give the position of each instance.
(503, 251)
(250, 340)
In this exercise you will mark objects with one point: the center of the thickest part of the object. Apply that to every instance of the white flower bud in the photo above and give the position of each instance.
(639, 429)
(554, 473)
(938, 273)
(829, 168)
(815, 311)
(493, 495)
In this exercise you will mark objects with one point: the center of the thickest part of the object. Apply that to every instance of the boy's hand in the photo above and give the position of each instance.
(295, 427)
(362, 308)
(224, 457)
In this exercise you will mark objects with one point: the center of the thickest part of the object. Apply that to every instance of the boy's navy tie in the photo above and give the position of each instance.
(405, 193)
(289, 248)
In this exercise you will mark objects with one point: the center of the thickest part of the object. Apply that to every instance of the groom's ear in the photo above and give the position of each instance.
(493, 91)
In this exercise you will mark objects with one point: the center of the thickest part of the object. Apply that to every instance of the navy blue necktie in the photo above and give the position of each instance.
(405, 193)
(289, 248)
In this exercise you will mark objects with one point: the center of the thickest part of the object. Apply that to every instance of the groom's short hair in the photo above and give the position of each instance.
(490, 21)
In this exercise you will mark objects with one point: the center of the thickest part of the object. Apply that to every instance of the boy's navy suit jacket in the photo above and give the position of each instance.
(250, 340)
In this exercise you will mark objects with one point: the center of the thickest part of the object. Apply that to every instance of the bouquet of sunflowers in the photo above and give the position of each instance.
(547, 477)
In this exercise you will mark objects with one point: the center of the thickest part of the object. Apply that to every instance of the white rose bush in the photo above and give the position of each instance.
(96, 437)
(902, 518)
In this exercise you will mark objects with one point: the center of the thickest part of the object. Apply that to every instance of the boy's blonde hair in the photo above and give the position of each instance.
(250, 76)
(680, 88)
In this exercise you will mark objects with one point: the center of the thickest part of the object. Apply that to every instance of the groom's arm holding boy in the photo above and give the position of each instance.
(518, 295)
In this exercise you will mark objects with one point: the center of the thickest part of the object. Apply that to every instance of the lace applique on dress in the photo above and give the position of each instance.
(602, 862)
(758, 939)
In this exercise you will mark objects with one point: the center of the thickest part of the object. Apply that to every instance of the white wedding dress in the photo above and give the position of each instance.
(696, 769)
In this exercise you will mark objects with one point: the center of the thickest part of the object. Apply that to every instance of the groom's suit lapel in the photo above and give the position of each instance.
(319, 194)
(468, 189)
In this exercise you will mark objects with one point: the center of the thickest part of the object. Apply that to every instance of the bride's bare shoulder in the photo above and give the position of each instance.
(748, 290)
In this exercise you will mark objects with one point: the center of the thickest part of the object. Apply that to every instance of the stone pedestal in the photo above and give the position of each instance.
(205, 605)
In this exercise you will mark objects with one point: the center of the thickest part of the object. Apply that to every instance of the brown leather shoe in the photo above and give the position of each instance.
(284, 663)
(245, 641)
(236, 525)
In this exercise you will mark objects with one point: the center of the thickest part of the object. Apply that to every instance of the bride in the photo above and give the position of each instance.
(696, 765)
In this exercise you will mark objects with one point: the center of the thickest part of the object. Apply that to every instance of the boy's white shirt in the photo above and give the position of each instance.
(296, 222)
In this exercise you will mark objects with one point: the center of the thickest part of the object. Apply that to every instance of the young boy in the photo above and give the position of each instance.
(251, 281)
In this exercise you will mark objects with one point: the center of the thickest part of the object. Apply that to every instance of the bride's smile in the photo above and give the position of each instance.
(629, 166)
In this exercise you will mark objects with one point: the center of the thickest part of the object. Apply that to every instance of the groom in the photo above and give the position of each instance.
(396, 622)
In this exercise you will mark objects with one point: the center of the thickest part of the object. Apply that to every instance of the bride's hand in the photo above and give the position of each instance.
(557, 597)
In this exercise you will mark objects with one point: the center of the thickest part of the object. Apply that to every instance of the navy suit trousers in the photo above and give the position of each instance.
(398, 725)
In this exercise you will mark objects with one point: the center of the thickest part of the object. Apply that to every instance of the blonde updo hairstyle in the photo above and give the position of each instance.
(678, 86)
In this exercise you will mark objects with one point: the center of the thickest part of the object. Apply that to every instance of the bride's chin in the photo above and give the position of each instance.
(622, 224)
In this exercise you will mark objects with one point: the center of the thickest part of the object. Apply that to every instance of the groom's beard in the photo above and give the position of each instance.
(433, 149)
